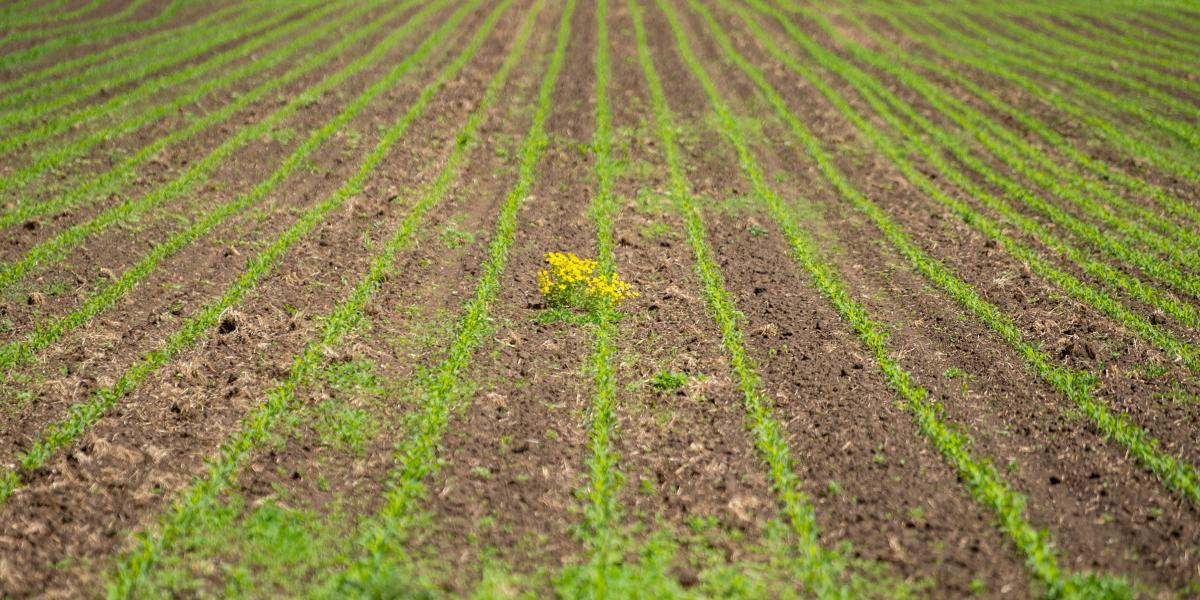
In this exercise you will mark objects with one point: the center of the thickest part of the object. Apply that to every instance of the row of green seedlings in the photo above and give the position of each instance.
(45, 333)
(985, 484)
(1097, 50)
(47, 159)
(39, 18)
(35, 105)
(82, 188)
(1132, 104)
(85, 191)
(18, 59)
(440, 387)
(1175, 473)
(1065, 183)
(131, 116)
(821, 570)
(117, 53)
(381, 539)
(81, 416)
(1051, 48)
(21, 8)
(1132, 145)
(1050, 177)
(872, 90)
(56, 28)
(604, 546)
(1100, 169)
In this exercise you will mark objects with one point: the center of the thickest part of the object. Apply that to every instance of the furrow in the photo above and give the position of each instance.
(46, 333)
(81, 416)
(1174, 473)
(820, 570)
(348, 314)
(253, 38)
(873, 92)
(982, 480)
(57, 247)
(1131, 145)
(54, 31)
(83, 187)
(380, 539)
(112, 55)
(1099, 168)
(23, 57)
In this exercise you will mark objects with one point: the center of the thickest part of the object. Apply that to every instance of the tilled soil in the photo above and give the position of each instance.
(504, 510)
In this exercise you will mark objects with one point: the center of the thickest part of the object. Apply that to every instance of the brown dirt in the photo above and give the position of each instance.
(515, 456)
(1094, 500)
(155, 438)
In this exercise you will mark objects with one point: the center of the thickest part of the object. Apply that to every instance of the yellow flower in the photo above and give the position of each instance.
(572, 281)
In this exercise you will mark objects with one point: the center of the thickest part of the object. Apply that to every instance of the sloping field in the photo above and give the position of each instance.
(599, 299)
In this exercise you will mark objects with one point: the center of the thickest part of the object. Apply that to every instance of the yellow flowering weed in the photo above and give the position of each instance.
(572, 282)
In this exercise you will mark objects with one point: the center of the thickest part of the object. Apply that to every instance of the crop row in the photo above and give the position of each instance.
(1175, 473)
(118, 54)
(1044, 132)
(1129, 143)
(875, 93)
(82, 415)
(190, 510)
(61, 123)
(98, 33)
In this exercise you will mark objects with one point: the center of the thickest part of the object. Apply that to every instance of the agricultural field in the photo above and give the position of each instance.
(599, 299)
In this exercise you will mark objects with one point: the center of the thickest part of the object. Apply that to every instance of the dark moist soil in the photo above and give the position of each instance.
(175, 159)
(927, 110)
(410, 324)
(1105, 512)
(1078, 133)
(184, 283)
(417, 322)
(843, 423)
(138, 456)
(1115, 354)
(685, 453)
(513, 454)
(145, 12)
(183, 18)
(66, 284)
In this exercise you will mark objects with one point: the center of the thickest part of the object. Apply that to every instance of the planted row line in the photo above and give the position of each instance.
(119, 54)
(949, 105)
(47, 127)
(192, 509)
(821, 568)
(17, 59)
(605, 547)
(39, 17)
(46, 333)
(1051, 178)
(1029, 58)
(980, 477)
(380, 540)
(1133, 146)
(57, 247)
(33, 102)
(1099, 168)
(874, 93)
(81, 416)
(53, 30)
(83, 187)
(1175, 473)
